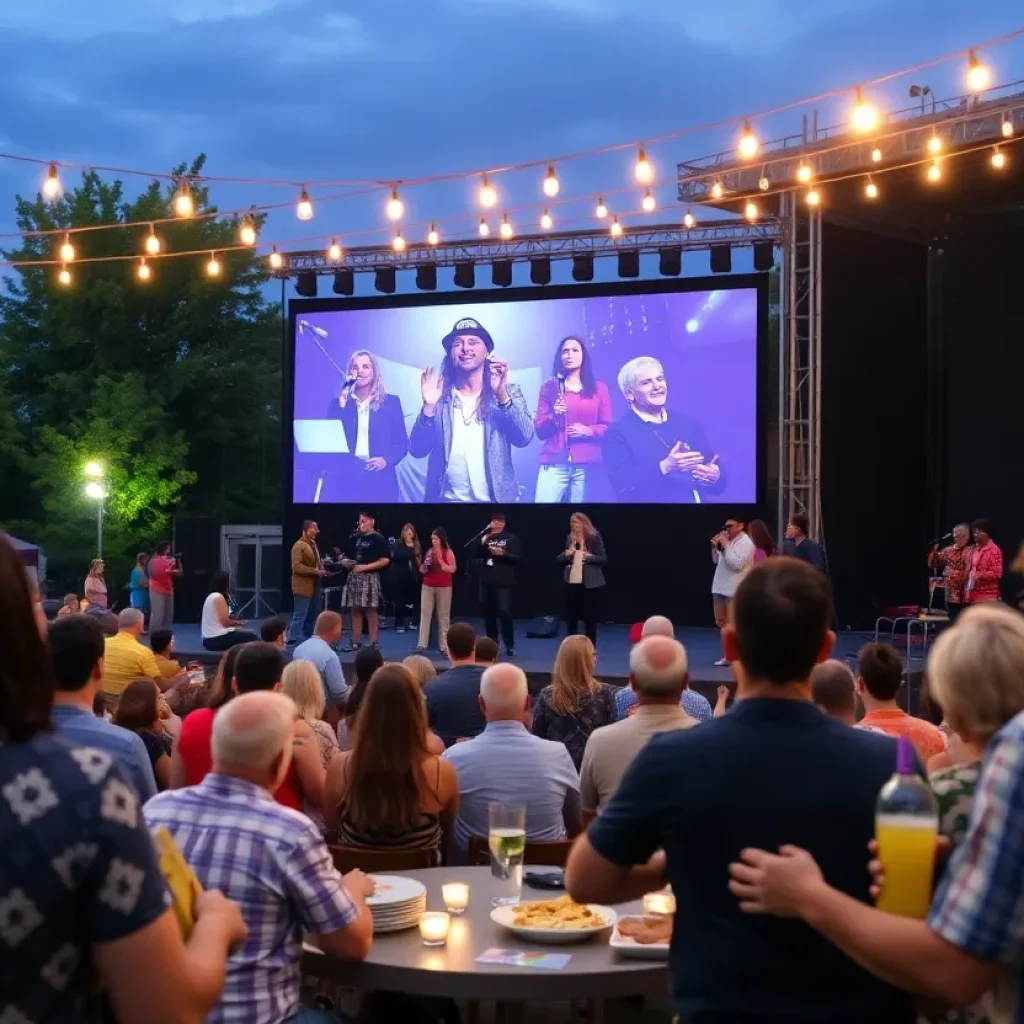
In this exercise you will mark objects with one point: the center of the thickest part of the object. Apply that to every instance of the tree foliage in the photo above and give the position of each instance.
(173, 383)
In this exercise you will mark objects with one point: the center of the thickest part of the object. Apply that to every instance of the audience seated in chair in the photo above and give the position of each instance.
(453, 698)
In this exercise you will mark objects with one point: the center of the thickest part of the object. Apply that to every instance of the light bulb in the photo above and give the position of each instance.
(488, 194)
(433, 238)
(506, 228)
(51, 184)
(334, 252)
(998, 159)
(978, 74)
(1007, 127)
(213, 266)
(602, 211)
(67, 250)
(717, 191)
(64, 277)
(545, 220)
(748, 146)
(247, 232)
(643, 170)
(934, 171)
(763, 183)
(485, 228)
(876, 155)
(276, 259)
(551, 183)
(935, 145)
(871, 190)
(616, 228)
(689, 220)
(398, 243)
(304, 208)
(396, 208)
(152, 242)
(750, 211)
(648, 202)
(143, 271)
(804, 173)
(813, 198)
(183, 205)
(865, 115)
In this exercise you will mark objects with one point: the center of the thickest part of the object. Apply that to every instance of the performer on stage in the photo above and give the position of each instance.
(307, 572)
(732, 551)
(955, 562)
(654, 454)
(583, 558)
(471, 418)
(374, 428)
(370, 554)
(404, 575)
(799, 545)
(986, 565)
(573, 413)
(501, 554)
(438, 568)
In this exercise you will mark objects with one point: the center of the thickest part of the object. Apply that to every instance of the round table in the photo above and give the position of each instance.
(399, 962)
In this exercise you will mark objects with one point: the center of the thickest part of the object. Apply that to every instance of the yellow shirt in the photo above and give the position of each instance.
(125, 660)
(169, 667)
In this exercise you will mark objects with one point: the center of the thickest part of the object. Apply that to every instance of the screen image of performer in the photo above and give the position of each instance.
(307, 572)
(438, 568)
(732, 552)
(986, 565)
(404, 574)
(374, 428)
(584, 558)
(573, 413)
(362, 594)
(955, 562)
(653, 453)
(501, 553)
(470, 420)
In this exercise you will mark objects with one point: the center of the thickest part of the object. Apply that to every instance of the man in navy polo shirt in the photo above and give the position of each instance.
(774, 770)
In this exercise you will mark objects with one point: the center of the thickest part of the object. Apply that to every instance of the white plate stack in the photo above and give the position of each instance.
(397, 904)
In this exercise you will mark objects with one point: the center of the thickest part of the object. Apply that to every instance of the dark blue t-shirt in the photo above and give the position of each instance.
(453, 705)
(769, 772)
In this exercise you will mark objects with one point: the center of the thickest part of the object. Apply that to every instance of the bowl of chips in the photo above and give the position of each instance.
(555, 922)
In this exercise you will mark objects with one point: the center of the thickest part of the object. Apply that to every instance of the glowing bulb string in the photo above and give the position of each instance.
(390, 183)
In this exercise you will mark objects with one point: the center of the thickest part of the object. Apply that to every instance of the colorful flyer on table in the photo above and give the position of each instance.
(520, 958)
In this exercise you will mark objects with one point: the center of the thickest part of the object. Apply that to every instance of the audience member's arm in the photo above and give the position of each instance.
(162, 771)
(572, 814)
(334, 791)
(177, 778)
(334, 676)
(449, 797)
(310, 769)
(435, 745)
(589, 798)
(142, 769)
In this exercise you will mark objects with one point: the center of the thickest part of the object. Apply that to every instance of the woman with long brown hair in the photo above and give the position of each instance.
(764, 542)
(583, 558)
(404, 575)
(138, 711)
(575, 704)
(389, 791)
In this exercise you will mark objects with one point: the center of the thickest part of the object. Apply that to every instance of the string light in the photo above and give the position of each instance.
(998, 159)
(689, 220)
(276, 259)
(433, 238)
(304, 208)
(398, 244)
(64, 277)
(552, 185)
(67, 250)
(876, 155)
(750, 211)
(183, 205)
(813, 197)
(643, 170)
(143, 272)
(152, 242)
(334, 252)
(717, 191)
(978, 74)
(485, 228)
(545, 221)
(1007, 127)
(616, 228)
(865, 114)
(506, 228)
(396, 208)
(488, 194)
(804, 173)
(748, 146)
(648, 202)
(935, 144)
(247, 233)
(934, 171)
(602, 211)
(213, 266)
(871, 189)
(51, 184)
(763, 183)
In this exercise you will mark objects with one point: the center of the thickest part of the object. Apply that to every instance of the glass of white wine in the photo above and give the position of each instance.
(506, 837)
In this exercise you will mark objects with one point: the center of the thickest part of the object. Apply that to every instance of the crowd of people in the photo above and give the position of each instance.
(759, 812)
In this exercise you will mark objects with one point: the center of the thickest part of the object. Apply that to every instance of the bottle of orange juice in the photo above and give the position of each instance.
(906, 827)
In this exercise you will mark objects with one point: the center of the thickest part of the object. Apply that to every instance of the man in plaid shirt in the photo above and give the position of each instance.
(270, 859)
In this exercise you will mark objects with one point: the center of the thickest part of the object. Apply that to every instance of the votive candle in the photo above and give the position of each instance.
(659, 903)
(434, 928)
(455, 896)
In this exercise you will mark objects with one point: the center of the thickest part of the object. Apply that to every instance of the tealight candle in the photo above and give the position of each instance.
(434, 928)
(455, 896)
(659, 903)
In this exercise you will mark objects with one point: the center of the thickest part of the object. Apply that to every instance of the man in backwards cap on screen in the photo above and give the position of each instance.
(471, 418)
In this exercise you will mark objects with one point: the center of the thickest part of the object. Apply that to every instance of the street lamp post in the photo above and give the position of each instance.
(96, 489)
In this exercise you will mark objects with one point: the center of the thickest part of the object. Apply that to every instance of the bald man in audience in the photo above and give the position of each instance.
(657, 676)
(271, 859)
(692, 703)
(834, 690)
(507, 764)
(319, 650)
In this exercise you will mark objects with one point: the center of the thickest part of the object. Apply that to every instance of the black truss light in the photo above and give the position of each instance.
(629, 263)
(501, 273)
(384, 280)
(540, 270)
(583, 267)
(764, 255)
(721, 259)
(465, 275)
(344, 283)
(670, 261)
(426, 277)
(305, 284)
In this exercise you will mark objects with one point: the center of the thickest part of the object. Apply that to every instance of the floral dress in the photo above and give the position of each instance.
(575, 728)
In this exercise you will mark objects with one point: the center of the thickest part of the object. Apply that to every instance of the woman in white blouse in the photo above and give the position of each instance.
(220, 631)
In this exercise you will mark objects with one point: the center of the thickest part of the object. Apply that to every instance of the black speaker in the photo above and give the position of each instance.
(305, 284)
(465, 275)
(197, 541)
(501, 273)
(384, 280)
(721, 259)
(629, 263)
(344, 282)
(764, 256)
(426, 277)
(583, 267)
(543, 628)
(540, 270)
(670, 262)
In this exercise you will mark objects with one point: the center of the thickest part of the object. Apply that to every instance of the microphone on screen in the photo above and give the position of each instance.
(305, 325)
(349, 382)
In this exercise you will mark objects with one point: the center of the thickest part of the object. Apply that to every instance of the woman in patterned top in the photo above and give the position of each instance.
(575, 704)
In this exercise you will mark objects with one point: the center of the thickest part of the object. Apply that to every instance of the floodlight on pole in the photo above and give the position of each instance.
(96, 488)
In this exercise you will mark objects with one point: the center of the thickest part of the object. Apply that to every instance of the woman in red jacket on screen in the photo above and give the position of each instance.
(573, 413)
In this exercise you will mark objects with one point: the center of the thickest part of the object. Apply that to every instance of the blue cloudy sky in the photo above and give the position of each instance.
(302, 90)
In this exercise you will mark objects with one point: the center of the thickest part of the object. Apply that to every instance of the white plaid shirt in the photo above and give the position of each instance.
(274, 863)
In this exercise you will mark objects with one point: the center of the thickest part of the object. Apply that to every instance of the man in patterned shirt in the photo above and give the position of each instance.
(269, 858)
(692, 703)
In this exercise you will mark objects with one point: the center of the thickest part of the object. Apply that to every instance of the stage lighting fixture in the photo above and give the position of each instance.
(384, 280)
(426, 277)
(583, 267)
(540, 270)
(670, 261)
(305, 284)
(344, 283)
(629, 263)
(764, 256)
(501, 273)
(465, 275)
(721, 259)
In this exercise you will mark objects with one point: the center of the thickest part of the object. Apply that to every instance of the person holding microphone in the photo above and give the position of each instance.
(437, 569)
(732, 552)
(583, 559)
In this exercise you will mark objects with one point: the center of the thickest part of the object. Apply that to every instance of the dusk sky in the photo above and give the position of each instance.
(330, 90)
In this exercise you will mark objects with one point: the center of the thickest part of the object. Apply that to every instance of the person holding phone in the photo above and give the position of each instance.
(584, 558)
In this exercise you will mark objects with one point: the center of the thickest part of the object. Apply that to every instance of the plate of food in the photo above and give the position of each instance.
(643, 938)
(555, 922)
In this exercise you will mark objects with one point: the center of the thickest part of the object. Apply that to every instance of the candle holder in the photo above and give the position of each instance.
(434, 928)
(456, 897)
(659, 904)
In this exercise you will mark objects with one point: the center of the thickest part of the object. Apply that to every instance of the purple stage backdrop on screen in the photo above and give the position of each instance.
(653, 401)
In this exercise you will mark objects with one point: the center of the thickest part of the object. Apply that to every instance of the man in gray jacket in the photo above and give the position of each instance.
(471, 418)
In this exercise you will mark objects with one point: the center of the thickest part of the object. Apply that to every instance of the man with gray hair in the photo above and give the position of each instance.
(657, 676)
(694, 704)
(507, 764)
(654, 454)
(125, 660)
(834, 690)
(955, 562)
(270, 859)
